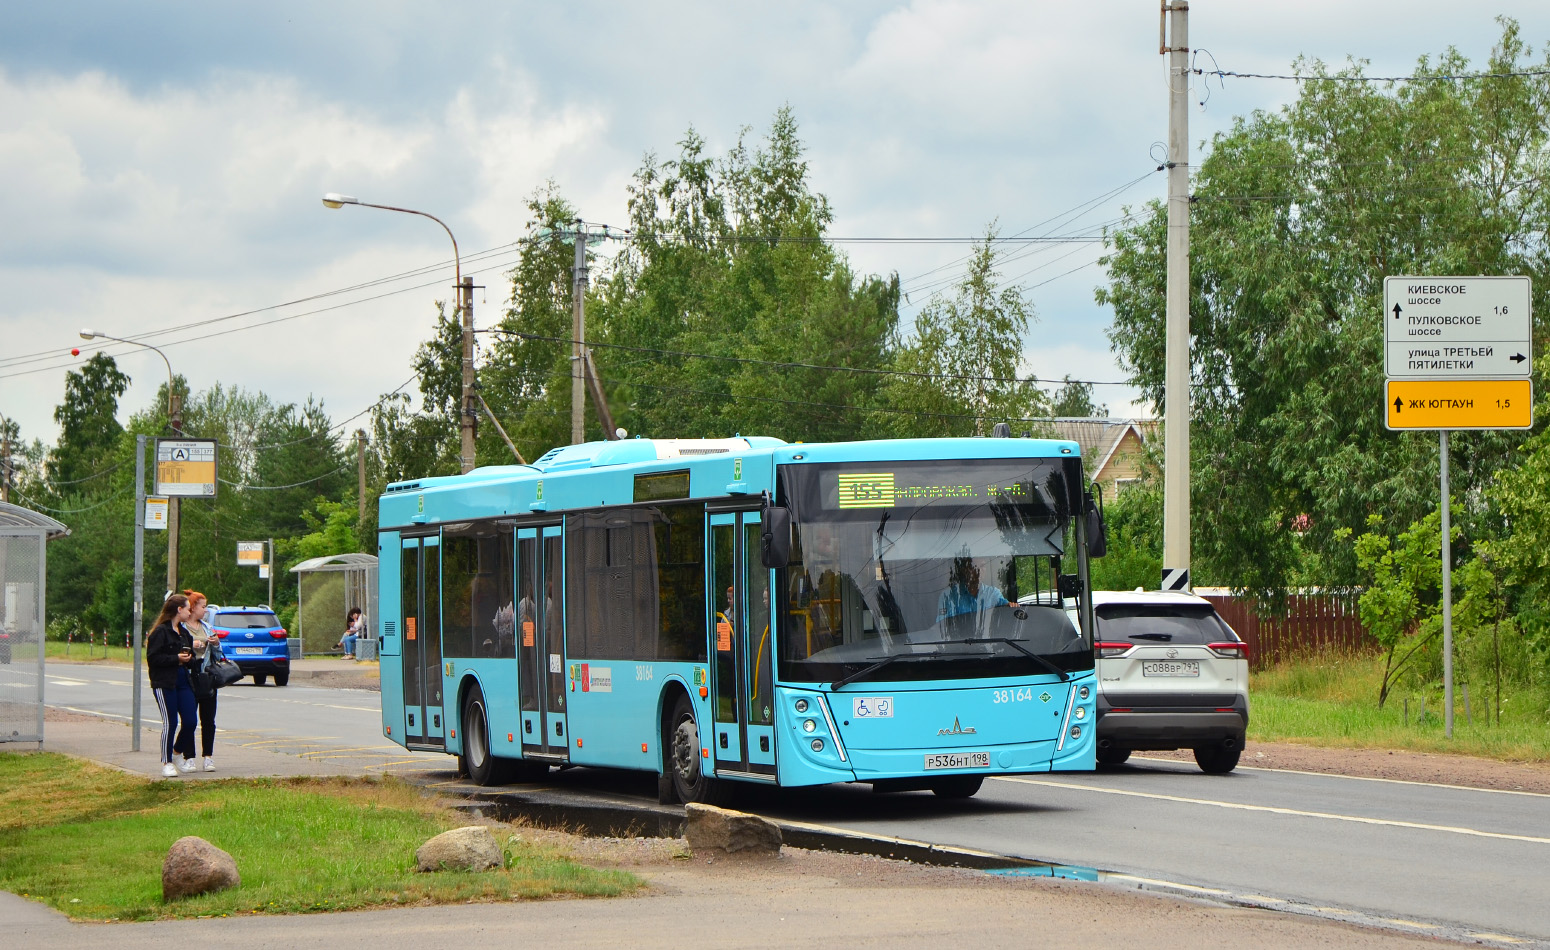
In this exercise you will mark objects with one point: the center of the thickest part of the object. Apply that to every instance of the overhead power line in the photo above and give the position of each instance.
(1322, 77)
(785, 364)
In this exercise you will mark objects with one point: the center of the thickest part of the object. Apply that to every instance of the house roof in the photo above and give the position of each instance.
(1099, 438)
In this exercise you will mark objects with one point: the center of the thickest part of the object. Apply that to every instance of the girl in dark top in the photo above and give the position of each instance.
(168, 654)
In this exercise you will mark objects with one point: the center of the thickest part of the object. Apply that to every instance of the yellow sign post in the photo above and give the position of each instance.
(1459, 403)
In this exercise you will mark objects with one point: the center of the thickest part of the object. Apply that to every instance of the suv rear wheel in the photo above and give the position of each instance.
(259, 679)
(1217, 760)
(280, 679)
(1112, 756)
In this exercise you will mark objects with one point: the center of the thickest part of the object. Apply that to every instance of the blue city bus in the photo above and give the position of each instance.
(914, 614)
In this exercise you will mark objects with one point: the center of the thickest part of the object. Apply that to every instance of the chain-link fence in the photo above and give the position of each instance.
(23, 537)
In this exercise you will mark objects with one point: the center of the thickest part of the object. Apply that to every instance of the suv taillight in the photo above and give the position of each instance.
(1111, 649)
(221, 634)
(1235, 649)
(278, 634)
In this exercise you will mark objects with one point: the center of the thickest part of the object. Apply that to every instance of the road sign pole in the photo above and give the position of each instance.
(1447, 593)
(134, 702)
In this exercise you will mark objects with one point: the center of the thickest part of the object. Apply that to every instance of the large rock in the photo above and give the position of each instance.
(195, 866)
(461, 849)
(721, 829)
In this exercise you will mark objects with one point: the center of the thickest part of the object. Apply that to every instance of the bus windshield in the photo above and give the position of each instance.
(930, 570)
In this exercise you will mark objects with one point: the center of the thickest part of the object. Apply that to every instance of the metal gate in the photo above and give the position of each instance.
(24, 535)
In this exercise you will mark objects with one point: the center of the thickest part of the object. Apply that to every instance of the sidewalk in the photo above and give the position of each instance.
(238, 754)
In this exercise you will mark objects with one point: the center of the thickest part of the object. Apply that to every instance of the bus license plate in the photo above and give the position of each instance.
(248, 651)
(1170, 668)
(958, 760)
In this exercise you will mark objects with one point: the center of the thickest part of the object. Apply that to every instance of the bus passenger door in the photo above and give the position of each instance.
(540, 642)
(739, 591)
(420, 600)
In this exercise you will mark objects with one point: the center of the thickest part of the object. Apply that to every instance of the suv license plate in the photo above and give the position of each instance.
(958, 760)
(1170, 668)
(248, 651)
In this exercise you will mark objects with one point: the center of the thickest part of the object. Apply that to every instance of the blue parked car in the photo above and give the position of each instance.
(252, 638)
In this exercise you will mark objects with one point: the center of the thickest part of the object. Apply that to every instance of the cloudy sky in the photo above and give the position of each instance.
(161, 163)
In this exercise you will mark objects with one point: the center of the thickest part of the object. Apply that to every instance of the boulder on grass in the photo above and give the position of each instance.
(721, 829)
(461, 849)
(195, 866)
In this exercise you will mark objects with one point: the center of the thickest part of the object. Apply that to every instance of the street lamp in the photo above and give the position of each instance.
(174, 419)
(466, 306)
(174, 404)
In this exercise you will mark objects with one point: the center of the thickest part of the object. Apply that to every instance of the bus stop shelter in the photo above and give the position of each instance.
(326, 589)
(24, 537)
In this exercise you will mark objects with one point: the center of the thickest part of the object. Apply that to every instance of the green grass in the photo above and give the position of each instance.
(84, 653)
(1333, 701)
(90, 841)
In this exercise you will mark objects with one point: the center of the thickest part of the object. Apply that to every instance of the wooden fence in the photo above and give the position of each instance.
(1313, 623)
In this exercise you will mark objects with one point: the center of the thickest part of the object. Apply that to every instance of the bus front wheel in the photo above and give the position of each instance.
(685, 759)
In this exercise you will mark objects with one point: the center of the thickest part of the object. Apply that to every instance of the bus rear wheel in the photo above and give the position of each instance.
(684, 759)
(958, 786)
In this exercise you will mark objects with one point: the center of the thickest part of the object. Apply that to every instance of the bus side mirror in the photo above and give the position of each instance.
(1097, 533)
(1069, 586)
(775, 537)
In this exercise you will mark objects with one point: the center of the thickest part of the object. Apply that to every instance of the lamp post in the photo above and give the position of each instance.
(468, 416)
(175, 420)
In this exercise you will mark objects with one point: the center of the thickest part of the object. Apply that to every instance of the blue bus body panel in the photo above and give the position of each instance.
(618, 724)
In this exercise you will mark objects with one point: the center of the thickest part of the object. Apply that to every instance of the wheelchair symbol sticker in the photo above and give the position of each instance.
(872, 707)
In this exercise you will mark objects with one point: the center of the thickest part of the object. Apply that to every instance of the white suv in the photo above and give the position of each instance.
(1171, 675)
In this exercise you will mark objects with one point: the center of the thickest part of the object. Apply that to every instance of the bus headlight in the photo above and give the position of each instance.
(801, 705)
(1081, 712)
(809, 726)
(1083, 692)
(1076, 732)
(817, 745)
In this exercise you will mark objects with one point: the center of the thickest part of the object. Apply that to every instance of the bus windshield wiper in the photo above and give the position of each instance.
(869, 670)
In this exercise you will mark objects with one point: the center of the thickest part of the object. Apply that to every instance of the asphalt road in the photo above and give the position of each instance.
(1437, 859)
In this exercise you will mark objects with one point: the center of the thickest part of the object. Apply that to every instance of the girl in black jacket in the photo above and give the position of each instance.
(168, 654)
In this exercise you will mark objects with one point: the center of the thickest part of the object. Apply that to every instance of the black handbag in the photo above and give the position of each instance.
(222, 672)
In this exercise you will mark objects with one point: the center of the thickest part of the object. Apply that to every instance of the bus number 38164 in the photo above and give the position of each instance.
(1012, 695)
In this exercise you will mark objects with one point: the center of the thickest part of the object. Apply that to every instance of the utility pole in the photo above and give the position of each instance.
(578, 369)
(270, 604)
(360, 471)
(5, 468)
(139, 587)
(1173, 28)
(175, 414)
(468, 423)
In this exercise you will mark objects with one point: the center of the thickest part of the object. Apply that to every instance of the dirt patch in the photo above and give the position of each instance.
(344, 679)
(1428, 767)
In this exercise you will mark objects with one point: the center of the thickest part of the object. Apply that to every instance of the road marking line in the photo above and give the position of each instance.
(1362, 778)
(358, 748)
(1275, 810)
(303, 740)
(57, 682)
(1503, 938)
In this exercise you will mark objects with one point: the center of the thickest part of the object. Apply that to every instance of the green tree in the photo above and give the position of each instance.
(959, 372)
(89, 430)
(1297, 216)
(1401, 605)
(1074, 400)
